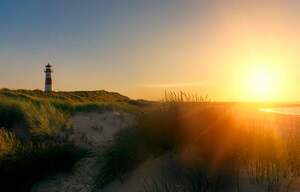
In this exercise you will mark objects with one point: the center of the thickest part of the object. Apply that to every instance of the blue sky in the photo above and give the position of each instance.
(130, 45)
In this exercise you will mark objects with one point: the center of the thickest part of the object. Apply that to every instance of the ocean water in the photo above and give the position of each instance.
(286, 110)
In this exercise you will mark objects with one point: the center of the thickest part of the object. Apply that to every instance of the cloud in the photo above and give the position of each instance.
(174, 85)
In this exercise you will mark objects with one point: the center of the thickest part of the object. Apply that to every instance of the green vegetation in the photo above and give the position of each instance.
(30, 122)
(39, 113)
(118, 158)
(68, 97)
(22, 163)
(210, 146)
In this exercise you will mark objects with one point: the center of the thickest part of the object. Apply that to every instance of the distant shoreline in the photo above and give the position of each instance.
(291, 110)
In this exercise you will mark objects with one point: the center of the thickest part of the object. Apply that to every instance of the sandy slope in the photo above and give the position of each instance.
(92, 130)
(95, 129)
(89, 130)
(140, 178)
(80, 181)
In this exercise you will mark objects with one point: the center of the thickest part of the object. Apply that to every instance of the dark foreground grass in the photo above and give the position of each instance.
(158, 133)
(178, 178)
(214, 143)
(23, 163)
(119, 158)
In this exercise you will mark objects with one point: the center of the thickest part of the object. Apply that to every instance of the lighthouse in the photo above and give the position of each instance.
(48, 81)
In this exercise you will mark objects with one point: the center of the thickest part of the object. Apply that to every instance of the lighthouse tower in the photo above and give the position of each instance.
(48, 80)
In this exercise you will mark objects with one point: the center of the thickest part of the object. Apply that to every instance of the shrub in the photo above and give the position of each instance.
(121, 157)
(12, 113)
(23, 163)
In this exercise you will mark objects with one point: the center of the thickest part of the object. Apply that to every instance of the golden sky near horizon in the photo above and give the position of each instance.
(254, 55)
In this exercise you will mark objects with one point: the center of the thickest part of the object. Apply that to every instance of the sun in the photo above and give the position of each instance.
(261, 82)
(262, 85)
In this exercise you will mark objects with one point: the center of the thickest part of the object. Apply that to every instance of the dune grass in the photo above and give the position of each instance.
(215, 143)
(44, 114)
(71, 97)
(30, 123)
(22, 163)
(119, 158)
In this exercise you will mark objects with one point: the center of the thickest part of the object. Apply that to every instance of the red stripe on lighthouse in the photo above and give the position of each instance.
(48, 79)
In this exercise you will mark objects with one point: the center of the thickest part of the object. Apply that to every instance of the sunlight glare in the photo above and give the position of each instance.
(262, 84)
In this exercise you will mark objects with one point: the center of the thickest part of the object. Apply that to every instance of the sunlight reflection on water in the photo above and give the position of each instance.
(286, 111)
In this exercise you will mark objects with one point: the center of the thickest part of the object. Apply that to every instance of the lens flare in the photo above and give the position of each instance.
(262, 84)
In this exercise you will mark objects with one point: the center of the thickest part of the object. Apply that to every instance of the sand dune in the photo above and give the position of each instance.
(88, 130)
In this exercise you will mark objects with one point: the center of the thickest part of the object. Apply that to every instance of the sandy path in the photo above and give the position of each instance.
(92, 130)
(88, 130)
(136, 181)
(80, 181)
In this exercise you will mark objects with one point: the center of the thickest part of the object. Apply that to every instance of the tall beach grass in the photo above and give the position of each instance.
(219, 146)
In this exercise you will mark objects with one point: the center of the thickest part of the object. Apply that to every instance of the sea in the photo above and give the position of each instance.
(283, 110)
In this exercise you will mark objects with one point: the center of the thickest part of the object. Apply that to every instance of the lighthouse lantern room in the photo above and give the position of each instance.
(48, 81)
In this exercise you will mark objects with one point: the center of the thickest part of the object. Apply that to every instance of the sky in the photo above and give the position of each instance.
(230, 50)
